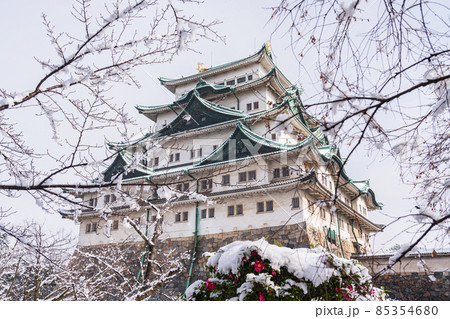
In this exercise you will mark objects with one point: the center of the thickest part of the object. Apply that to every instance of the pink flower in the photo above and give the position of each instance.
(259, 266)
(274, 273)
(254, 253)
(230, 276)
(210, 285)
(261, 297)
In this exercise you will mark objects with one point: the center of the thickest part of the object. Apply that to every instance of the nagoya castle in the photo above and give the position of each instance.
(238, 135)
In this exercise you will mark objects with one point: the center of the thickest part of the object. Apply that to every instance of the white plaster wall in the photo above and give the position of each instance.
(253, 69)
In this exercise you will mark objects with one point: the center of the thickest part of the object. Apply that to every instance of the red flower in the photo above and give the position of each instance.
(261, 297)
(210, 285)
(259, 266)
(274, 273)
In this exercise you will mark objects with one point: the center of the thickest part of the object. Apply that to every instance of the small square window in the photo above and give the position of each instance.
(269, 206)
(94, 227)
(232, 82)
(177, 217)
(203, 213)
(259, 207)
(295, 202)
(256, 105)
(225, 179)
(211, 213)
(239, 209)
(230, 210)
(185, 216)
(250, 77)
(249, 106)
(243, 177)
(204, 184)
(214, 147)
(185, 187)
(179, 187)
(274, 136)
(115, 225)
(285, 171)
(113, 198)
(251, 175)
(276, 173)
(88, 228)
(177, 157)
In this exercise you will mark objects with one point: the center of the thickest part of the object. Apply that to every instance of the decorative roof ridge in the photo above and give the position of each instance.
(185, 98)
(243, 128)
(128, 143)
(167, 82)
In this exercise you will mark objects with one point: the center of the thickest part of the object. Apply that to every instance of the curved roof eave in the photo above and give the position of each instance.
(171, 83)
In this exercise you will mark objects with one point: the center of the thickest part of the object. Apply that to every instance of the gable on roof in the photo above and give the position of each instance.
(243, 143)
(199, 113)
(123, 164)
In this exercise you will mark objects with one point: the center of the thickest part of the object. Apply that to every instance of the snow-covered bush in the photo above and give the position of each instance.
(246, 270)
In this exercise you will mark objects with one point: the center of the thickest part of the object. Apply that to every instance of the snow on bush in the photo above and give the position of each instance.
(246, 270)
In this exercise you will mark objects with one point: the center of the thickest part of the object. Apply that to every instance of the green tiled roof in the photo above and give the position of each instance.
(199, 113)
(243, 143)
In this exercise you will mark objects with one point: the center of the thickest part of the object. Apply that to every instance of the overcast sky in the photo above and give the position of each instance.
(23, 37)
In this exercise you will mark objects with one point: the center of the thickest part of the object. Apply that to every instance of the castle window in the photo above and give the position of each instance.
(295, 202)
(177, 157)
(185, 216)
(238, 210)
(285, 171)
(115, 225)
(251, 175)
(88, 228)
(94, 227)
(144, 161)
(93, 202)
(107, 198)
(249, 106)
(211, 213)
(243, 177)
(192, 154)
(156, 161)
(256, 105)
(231, 82)
(250, 77)
(274, 136)
(177, 217)
(269, 206)
(203, 213)
(185, 187)
(171, 158)
(259, 207)
(240, 80)
(206, 184)
(214, 147)
(179, 187)
(200, 152)
(333, 219)
(225, 179)
(276, 173)
(323, 213)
